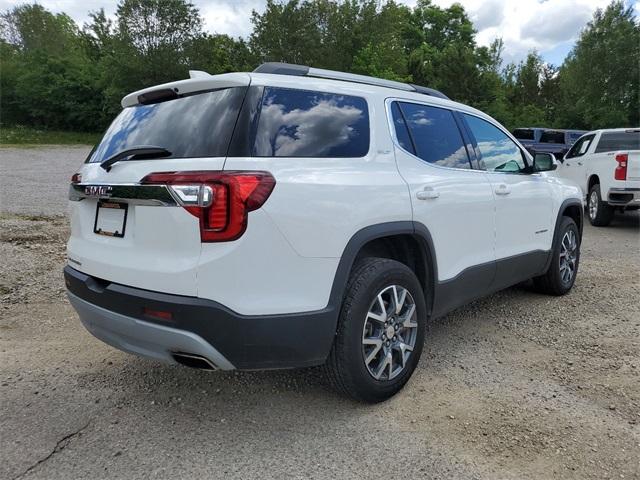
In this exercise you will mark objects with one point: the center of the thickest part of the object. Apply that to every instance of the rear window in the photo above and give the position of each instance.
(302, 123)
(612, 141)
(549, 136)
(524, 134)
(197, 125)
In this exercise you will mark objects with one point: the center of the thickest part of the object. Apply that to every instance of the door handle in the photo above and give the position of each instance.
(580, 163)
(502, 190)
(427, 193)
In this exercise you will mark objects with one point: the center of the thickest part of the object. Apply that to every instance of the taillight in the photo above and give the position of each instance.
(220, 200)
(76, 178)
(621, 169)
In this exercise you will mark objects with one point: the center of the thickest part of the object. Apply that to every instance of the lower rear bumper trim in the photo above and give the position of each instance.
(143, 338)
(245, 342)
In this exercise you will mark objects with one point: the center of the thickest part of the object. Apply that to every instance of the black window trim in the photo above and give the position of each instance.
(363, 98)
(528, 162)
(392, 131)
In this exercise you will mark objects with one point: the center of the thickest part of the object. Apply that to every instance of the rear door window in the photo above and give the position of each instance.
(432, 134)
(302, 123)
(198, 125)
(612, 141)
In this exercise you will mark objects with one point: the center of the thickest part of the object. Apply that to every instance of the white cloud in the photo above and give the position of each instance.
(523, 24)
(527, 24)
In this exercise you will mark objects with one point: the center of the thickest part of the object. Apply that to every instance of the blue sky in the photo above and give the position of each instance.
(549, 26)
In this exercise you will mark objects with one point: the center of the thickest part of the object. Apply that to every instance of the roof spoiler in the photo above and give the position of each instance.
(279, 68)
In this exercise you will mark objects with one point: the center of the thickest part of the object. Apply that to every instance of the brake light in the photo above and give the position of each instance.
(76, 178)
(220, 200)
(621, 169)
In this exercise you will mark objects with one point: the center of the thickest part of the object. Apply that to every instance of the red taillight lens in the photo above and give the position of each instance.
(76, 178)
(220, 200)
(621, 169)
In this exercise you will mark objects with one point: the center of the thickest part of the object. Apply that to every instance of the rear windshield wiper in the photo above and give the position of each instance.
(135, 153)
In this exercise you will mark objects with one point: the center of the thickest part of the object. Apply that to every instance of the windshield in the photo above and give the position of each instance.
(549, 136)
(192, 126)
(524, 134)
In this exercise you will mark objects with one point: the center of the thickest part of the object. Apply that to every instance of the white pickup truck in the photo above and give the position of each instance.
(606, 166)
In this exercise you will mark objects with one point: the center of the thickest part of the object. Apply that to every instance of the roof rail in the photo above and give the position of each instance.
(279, 68)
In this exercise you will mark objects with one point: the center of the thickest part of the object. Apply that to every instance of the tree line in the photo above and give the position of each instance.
(57, 74)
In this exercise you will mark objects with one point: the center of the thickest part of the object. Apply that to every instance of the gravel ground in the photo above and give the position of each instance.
(515, 386)
(35, 181)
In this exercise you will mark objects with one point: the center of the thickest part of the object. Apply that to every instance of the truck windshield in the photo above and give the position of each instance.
(549, 136)
(524, 134)
(198, 125)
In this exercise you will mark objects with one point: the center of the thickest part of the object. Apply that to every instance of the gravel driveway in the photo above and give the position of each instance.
(514, 386)
(35, 181)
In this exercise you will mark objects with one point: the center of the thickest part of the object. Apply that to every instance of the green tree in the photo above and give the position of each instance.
(47, 78)
(599, 82)
(448, 58)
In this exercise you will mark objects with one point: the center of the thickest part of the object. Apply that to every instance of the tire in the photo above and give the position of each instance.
(600, 213)
(556, 281)
(374, 279)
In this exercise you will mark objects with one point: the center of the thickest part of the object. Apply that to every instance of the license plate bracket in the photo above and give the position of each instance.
(111, 218)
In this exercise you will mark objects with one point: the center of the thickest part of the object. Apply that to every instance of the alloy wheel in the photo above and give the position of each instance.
(593, 205)
(389, 333)
(568, 256)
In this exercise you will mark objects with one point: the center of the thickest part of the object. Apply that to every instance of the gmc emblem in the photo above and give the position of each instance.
(98, 190)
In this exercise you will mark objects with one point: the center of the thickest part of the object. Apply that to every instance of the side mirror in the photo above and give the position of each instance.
(544, 162)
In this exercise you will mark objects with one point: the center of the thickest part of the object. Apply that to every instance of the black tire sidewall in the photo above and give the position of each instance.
(354, 314)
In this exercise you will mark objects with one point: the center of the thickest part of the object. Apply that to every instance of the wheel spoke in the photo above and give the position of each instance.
(400, 301)
(383, 307)
(408, 322)
(378, 318)
(377, 345)
(404, 348)
(382, 366)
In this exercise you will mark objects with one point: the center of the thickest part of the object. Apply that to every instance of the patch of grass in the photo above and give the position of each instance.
(26, 136)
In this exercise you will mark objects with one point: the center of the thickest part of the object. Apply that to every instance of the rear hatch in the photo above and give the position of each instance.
(126, 230)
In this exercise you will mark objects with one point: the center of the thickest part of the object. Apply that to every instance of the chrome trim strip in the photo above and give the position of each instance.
(132, 193)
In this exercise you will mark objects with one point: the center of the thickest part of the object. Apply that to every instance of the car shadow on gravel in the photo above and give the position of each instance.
(625, 221)
(159, 382)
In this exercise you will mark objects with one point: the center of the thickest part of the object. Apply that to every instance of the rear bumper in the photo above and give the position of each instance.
(114, 314)
(624, 196)
(143, 338)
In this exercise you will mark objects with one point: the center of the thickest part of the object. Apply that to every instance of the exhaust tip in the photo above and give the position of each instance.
(193, 361)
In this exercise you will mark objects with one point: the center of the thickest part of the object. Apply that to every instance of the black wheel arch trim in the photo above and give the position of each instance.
(374, 232)
(569, 202)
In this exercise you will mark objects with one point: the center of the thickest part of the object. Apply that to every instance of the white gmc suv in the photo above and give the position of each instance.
(294, 217)
(605, 164)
